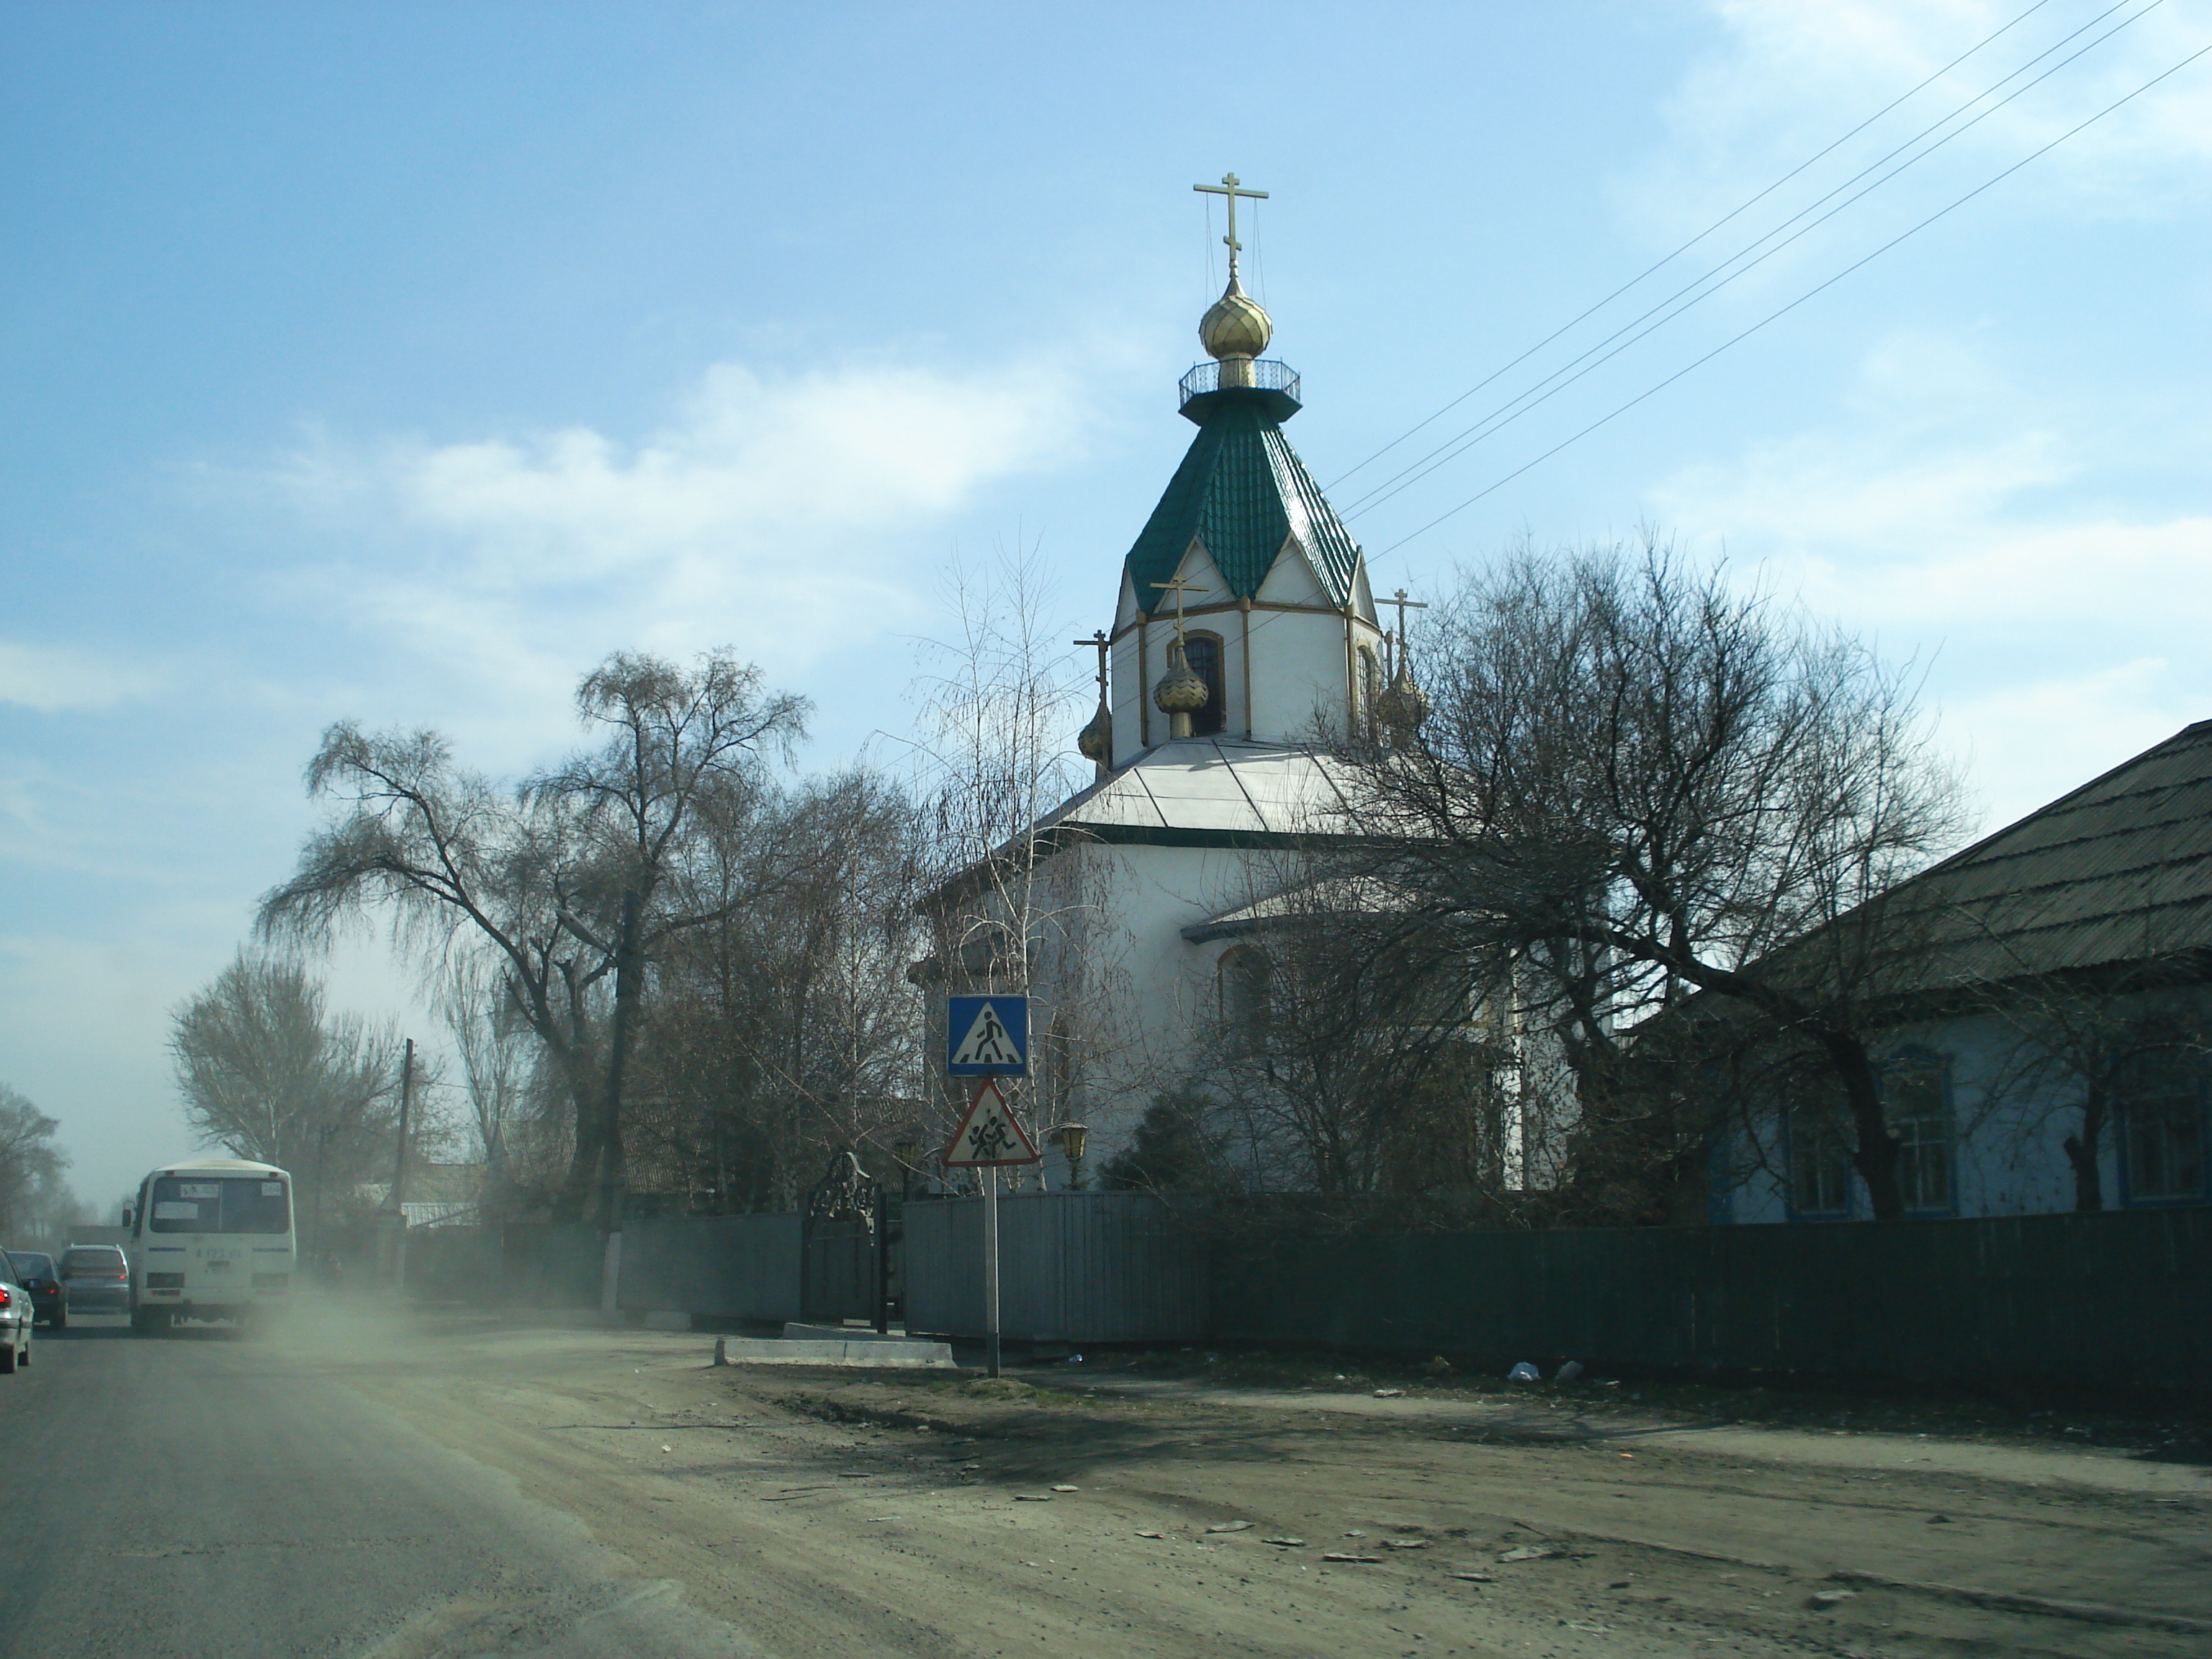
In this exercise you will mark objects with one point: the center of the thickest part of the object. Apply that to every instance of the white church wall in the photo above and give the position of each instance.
(1299, 673)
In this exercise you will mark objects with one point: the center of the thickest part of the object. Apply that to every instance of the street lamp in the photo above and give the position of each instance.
(1072, 1137)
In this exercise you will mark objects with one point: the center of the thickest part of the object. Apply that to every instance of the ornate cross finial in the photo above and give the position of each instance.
(1180, 586)
(1232, 187)
(1404, 604)
(1100, 643)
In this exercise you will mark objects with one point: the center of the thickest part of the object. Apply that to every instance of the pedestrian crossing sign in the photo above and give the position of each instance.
(990, 1136)
(987, 1036)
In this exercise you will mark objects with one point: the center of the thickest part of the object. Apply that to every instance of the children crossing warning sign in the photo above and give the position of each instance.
(987, 1036)
(990, 1136)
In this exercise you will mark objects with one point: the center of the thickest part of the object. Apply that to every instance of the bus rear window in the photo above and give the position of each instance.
(228, 1205)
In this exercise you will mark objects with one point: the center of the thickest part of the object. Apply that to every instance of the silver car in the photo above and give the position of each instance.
(96, 1279)
(17, 1316)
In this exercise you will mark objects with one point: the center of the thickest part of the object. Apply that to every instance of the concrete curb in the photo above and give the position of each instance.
(899, 1353)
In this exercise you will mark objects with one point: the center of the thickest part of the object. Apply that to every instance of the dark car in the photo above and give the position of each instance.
(96, 1279)
(36, 1272)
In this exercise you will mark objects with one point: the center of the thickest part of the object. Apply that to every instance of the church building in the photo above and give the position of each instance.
(1245, 645)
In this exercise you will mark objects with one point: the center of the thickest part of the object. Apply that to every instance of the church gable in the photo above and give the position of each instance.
(1292, 580)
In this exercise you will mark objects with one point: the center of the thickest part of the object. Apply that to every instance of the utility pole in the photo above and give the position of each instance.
(396, 1213)
(406, 1111)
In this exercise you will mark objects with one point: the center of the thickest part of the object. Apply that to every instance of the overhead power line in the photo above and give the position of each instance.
(1741, 208)
(1785, 310)
(1506, 413)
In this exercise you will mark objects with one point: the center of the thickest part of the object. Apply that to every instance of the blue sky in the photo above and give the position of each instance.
(399, 361)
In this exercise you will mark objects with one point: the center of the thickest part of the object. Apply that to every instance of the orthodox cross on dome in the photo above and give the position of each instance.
(1100, 643)
(1404, 604)
(1232, 187)
(1179, 587)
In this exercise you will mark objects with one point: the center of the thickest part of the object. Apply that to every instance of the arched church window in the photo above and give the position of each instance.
(1203, 652)
(1370, 681)
(1245, 976)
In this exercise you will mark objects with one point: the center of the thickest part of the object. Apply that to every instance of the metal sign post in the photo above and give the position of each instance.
(990, 1138)
(991, 1267)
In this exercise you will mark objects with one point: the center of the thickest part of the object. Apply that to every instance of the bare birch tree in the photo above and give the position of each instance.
(1000, 708)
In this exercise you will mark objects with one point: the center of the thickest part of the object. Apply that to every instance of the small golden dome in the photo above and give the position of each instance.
(1180, 691)
(1236, 326)
(1095, 741)
(1403, 706)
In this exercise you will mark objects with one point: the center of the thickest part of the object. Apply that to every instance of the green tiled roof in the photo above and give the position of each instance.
(1241, 490)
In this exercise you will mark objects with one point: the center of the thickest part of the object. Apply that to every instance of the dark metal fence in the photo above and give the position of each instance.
(2115, 1300)
(1075, 1266)
(719, 1267)
(550, 1265)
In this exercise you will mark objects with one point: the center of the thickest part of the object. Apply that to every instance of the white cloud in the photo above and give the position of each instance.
(1951, 518)
(58, 680)
(2028, 742)
(780, 514)
(1790, 76)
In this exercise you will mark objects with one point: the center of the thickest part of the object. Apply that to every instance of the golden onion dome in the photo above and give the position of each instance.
(1180, 691)
(1095, 741)
(1236, 326)
(1403, 706)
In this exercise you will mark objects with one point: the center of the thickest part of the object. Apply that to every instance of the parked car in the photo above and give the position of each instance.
(36, 1272)
(96, 1279)
(17, 1318)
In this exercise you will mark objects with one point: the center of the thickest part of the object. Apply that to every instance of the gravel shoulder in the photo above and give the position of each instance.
(852, 1513)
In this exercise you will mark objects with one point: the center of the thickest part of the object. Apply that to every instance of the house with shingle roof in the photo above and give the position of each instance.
(2047, 1017)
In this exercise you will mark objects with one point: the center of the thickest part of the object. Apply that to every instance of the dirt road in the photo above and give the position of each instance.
(825, 1516)
(580, 1491)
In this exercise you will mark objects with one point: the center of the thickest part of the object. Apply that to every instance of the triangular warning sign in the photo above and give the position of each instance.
(988, 1042)
(990, 1135)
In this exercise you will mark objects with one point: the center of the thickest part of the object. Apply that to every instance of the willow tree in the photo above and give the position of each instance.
(561, 879)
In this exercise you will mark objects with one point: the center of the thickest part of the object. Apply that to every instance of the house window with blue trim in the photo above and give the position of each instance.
(1916, 1090)
(2160, 1100)
(1819, 1165)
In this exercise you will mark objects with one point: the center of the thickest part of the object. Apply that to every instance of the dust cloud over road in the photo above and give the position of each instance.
(401, 1488)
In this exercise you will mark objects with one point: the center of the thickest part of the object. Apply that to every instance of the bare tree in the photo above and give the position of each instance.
(560, 881)
(455, 864)
(34, 1197)
(681, 745)
(1639, 786)
(784, 1028)
(1001, 705)
(266, 1072)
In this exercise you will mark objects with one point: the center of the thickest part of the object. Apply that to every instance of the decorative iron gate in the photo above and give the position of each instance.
(845, 1247)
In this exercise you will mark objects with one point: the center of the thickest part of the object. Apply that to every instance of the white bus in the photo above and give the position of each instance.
(210, 1239)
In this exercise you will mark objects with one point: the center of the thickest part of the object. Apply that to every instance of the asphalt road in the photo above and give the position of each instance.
(207, 1494)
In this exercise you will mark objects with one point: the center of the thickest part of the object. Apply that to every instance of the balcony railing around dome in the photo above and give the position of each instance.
(1267, 375)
